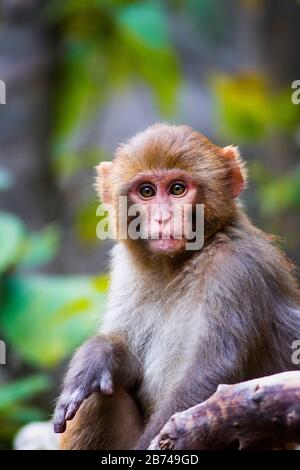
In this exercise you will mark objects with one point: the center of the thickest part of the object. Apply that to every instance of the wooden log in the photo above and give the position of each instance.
(262, 413)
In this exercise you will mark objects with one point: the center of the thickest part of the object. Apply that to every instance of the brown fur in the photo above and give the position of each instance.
(96, 413)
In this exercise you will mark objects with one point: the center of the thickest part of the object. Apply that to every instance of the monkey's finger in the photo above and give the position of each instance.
(59, 428)
(59, 420)
(72, 409)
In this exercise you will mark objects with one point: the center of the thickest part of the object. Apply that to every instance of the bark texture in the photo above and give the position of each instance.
(262, 413)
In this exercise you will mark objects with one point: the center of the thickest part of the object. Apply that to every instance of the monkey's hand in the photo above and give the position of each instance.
(97, 366)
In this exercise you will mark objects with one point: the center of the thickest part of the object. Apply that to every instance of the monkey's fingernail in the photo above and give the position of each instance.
(59, 427)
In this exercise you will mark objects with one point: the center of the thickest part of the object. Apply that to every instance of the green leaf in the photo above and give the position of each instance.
(13, 412)
(148, 21)
(45, 318)
(86, 222)
(286, 114)
(157, 68)
(249, 109)
(22, 389)
(244, 105)
(12, 235)
(281, 195)
(41, 247)
(73, 98)
(101, 283)
(24, 414)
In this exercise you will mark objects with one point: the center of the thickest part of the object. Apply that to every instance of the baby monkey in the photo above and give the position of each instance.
(179, 321)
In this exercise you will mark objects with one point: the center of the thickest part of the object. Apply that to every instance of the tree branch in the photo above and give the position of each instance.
(262, 413)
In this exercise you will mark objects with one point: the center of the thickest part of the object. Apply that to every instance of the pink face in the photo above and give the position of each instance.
(163, 195)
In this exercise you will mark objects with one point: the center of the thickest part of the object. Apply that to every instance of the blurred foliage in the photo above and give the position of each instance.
(280, 195)
(85, 222)
(40, 247)
(13, 411)
(249, 109)
(107, 46)
(210, 17)
(43, 318)
(22, 248)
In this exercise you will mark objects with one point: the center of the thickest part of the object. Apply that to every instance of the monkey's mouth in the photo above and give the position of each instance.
(167, 245)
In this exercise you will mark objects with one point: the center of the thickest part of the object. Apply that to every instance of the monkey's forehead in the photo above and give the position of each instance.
(166, 147)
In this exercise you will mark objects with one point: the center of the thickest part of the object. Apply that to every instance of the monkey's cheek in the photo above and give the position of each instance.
(168, 246)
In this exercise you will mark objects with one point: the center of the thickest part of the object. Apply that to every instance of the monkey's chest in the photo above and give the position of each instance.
(166, 346)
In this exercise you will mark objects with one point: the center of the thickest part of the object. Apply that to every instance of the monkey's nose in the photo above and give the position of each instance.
(162, 216)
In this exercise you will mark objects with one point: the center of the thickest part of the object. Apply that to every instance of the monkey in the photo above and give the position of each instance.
(178, 322)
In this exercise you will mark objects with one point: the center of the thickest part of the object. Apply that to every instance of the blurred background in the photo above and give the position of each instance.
(82, 76)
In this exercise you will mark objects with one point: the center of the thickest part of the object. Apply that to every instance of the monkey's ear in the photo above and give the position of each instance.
(237, 171)
(103, 181)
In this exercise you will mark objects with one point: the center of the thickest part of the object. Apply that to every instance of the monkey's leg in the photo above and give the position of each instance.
(104, 423)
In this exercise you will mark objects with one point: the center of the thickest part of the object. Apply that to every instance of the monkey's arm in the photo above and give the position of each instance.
(99, 365)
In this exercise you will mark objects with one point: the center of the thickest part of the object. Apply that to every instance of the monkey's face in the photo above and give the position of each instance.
(164, 200)
(165, 173)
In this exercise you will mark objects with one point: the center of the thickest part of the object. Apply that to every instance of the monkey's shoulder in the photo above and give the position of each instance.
(238, 257)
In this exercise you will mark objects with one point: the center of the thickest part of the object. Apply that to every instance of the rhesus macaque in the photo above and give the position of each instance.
(179, 322)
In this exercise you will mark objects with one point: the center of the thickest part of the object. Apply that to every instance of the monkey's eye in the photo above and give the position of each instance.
(147, 191)
(177, 189)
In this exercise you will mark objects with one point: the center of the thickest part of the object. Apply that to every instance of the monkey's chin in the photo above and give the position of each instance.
(169, 246)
